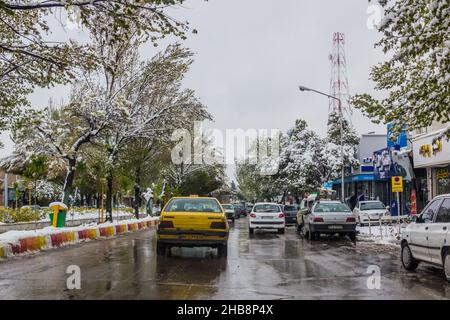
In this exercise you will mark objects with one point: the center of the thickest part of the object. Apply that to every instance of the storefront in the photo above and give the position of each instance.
(363, 184)
(432, 154)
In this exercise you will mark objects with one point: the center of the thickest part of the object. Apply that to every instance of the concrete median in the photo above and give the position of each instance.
(15, 243)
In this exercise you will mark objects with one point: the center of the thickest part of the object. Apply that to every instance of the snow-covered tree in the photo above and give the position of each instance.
(179, 172)
(331, 159)
(29, 56)
(60, 134)
(47, 190)
(155, 103)
(417, 76)
(299, 160)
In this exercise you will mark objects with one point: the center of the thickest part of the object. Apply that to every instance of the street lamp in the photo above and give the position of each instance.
(341, 117)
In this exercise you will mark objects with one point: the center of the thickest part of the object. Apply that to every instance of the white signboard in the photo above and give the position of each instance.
(430, 153)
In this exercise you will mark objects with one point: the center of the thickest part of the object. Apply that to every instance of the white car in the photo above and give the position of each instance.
(370, 212)
(328, 217)
(428, 239)
(266, 216)
(230, 211)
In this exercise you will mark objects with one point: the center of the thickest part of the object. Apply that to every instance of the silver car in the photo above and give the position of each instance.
(329, 217)
(370, 212)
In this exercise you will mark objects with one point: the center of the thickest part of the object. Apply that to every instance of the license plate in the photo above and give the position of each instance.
(333, 227)
(267, 218)
(193, 237)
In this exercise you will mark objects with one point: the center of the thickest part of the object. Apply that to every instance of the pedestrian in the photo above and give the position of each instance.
(352, 201)
(361, 197)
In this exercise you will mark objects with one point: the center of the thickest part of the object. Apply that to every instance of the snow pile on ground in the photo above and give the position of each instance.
(92, 215)
(386, 234)
(26, 241)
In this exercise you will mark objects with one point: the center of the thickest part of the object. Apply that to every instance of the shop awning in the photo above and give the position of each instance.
(356, 178)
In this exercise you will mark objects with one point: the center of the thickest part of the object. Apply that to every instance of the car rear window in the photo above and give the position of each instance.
(372, 205)
(227, 206)
(193, 205)
(289, 208)
(267, 208)
(331, 207)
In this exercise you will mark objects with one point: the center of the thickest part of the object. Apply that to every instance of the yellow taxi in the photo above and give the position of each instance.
(192, 222)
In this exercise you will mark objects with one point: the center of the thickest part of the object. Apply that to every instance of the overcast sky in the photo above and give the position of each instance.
(251, 55)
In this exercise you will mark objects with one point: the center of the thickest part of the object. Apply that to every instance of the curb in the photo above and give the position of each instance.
(64, 238)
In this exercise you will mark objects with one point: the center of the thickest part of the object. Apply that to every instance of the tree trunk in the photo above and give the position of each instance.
(137, 192)
(69, 180)
(97, 200)
(109, 192)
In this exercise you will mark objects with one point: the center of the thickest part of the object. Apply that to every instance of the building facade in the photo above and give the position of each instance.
(431, 154)
(362, 181)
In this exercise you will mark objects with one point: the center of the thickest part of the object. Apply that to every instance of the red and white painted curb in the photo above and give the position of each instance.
(49, 238)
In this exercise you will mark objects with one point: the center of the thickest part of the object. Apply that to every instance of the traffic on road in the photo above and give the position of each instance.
(263, 265)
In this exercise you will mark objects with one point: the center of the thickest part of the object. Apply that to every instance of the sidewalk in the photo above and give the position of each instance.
(386, 235)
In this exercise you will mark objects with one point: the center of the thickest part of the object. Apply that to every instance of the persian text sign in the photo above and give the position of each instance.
(397, 184)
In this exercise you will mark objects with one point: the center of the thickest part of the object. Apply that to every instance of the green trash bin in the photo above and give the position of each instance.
(61, 219)
(62, 213)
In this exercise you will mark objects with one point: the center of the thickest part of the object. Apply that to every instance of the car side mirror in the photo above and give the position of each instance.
(420, 219)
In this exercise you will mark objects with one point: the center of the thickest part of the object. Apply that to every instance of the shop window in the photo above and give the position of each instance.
(443, 180)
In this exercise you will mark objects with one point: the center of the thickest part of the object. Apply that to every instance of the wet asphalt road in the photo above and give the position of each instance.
(265, 266)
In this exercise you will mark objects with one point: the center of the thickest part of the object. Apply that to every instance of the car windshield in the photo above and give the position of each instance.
(289, 208)
(227, 206)
(331, 207)
(267, 208)
(193, 205)
(372, 205)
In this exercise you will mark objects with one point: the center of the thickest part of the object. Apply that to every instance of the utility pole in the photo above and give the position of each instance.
(341, 122)
(6, 191)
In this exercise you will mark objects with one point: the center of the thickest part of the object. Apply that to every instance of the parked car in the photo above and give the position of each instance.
(266, 215)
(370, 212)
(192, 222)
(428, 239)
(241, 210)
(230, 211)
(290, 212)
(248, 208)
(328, 217)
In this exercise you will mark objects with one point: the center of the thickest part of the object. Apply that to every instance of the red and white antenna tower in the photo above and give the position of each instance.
(339, 80)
